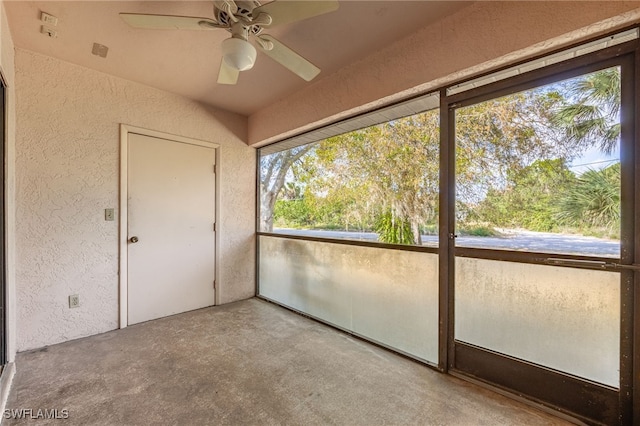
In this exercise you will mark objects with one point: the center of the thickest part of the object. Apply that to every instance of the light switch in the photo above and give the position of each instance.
(108, 214)
(48, 19)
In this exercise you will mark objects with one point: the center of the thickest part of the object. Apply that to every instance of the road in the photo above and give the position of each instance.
(511, 240)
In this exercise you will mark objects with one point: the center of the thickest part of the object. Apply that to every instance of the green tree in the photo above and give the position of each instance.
(392, 229)
(291, 213)
(497, 142)
(530, 198)
(592, 118)
(389, 171)
(273, 172)
(386, 177)
(594, 201)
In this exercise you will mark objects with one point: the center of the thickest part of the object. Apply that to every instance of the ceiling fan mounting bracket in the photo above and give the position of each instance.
(224, 13)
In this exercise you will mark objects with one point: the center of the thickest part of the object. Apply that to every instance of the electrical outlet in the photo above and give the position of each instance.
(49, 32)
(100, 50)
(74, 301)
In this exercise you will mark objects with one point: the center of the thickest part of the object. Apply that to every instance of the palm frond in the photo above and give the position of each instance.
(591, 118)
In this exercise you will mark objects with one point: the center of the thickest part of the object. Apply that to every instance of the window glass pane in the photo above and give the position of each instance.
(539, 170)
(377, 184)
(566, 319)
(390, 296)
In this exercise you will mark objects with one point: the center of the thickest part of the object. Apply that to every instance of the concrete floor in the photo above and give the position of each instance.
(249, 362)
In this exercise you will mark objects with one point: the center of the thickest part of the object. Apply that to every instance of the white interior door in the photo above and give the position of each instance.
(171, 238)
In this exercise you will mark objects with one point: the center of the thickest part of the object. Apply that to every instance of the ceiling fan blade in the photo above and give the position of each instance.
(227, 74)
(284, 12)
(289, 59)
(167, 22)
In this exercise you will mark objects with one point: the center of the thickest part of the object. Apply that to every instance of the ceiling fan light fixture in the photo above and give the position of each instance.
(238, 54)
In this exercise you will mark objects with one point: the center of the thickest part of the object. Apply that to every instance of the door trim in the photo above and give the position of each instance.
(125, 131)
(5, 348)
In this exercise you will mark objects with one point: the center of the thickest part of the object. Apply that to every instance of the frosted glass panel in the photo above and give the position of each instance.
(564, 318)
(389, 296)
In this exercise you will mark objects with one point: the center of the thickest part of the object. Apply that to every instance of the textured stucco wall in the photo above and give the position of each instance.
(67, 173)
(8, 72)
(478, 38)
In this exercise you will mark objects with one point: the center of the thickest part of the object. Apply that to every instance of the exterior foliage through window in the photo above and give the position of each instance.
(530, 165)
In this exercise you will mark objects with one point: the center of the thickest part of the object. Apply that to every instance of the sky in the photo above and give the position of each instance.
(593, 159)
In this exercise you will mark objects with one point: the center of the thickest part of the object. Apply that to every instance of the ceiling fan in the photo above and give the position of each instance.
(245, 20)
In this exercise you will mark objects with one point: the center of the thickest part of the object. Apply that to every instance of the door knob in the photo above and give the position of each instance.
(133, 239)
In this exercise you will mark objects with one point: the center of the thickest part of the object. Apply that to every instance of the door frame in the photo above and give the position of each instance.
(508, 374)
(4, 317)
(125, 131)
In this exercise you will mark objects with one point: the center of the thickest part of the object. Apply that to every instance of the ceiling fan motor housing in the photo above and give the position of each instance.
(245, 9)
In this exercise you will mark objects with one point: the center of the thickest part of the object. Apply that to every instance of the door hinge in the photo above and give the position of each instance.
(214, 169)
(214, 284)
(214, 227)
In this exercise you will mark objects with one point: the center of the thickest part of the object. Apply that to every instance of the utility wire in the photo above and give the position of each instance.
(595, 162)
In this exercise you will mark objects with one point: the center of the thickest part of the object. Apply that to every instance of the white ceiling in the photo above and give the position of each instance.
(187, 62)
